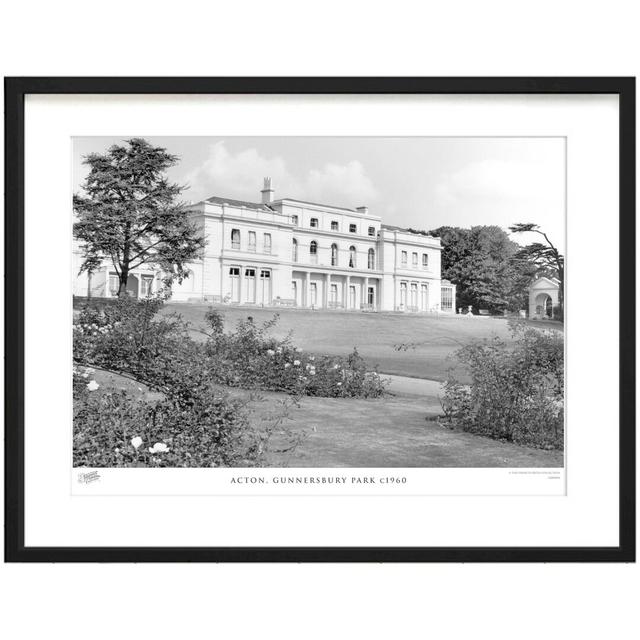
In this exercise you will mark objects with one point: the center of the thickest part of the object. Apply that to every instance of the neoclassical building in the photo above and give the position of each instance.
(289, 252)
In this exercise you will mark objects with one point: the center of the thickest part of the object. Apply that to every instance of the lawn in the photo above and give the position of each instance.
(375, 335)
(394, 431)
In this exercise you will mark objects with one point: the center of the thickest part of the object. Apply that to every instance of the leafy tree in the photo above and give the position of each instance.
(129, 213)
(545, 255)
(479, 261)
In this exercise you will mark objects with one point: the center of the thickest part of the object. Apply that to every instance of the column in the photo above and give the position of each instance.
(347, 298)
(307, 286)
(366, 291)
(327, 287)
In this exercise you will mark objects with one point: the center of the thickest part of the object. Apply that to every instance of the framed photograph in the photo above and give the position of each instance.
(320, 319)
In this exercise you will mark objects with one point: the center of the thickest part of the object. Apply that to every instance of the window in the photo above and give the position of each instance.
(250, 285)
(234, 271)
(371, 259)
(294, 252)
(414, 260)
(425, 261)
(235, 238)
(114, 284)
(333, 296)
(313, 222)
(446, 298)
(352, 257)
(265, 274)
(334, 255)
(403, 258)
(334, 225)
(267, 243)
(147, 283)
(313, 252)
(252, 241)
(353, 228)
(294, 220)
(371, 231)
(403, 295)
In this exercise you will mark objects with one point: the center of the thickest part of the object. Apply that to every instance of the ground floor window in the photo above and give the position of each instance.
(425, 297)
(250, 280)
(403, 295)
(265, 286)
(446, 299)
(370, 296)
(333, 299)
(146, 286)
(414, 296)
(114, 284)
(234, 283)
(313, 290)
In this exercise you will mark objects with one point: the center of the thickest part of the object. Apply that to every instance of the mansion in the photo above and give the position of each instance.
(292, 253)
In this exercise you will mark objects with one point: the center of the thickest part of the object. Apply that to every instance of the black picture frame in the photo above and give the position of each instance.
(15, 91)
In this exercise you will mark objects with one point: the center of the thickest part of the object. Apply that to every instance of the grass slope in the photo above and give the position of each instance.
(374, 334)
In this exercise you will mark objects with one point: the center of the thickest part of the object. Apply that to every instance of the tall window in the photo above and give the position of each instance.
(313, 222)
(250, 284)
(334, 225)
(334, 255)
(371, 259)
(114, 284)
(252, 241)
(403, 258)
(425, 261)
(352, 257)
(235, 238)
(414, 260)
(294, 252)
(313, 252)
(446, 298)
(267, 243)
(372, 231)
(294, 220)
(352, 228)
(147, 282)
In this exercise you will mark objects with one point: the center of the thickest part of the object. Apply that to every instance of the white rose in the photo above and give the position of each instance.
(136, 442)
(93, 386)
(158, 447)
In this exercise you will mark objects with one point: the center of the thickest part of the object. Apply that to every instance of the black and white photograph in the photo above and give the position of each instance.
(318, 302)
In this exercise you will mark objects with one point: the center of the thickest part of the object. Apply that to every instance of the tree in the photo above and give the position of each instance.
(129, 213)
(479, 262)
(545, 256)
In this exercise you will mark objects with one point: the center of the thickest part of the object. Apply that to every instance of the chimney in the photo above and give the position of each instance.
(363, 210)
(267, 191)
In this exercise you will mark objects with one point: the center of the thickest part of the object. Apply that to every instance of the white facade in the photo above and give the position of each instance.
(293, 253)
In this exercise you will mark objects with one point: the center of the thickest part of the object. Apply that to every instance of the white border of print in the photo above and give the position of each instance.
(587, 515)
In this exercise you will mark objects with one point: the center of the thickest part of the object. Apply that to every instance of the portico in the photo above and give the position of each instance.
(335, 289)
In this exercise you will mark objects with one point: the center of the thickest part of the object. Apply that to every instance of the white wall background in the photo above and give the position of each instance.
(329, 38)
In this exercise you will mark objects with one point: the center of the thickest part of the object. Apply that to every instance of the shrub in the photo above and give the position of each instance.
(116, 428)
(248, 357)
(198, 425)
(517, 389)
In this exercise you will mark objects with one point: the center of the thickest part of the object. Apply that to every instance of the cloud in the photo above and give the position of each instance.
(496, 180)
(341, 184)
(239, 175)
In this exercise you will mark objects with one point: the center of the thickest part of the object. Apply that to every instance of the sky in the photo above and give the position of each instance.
(415, 182)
